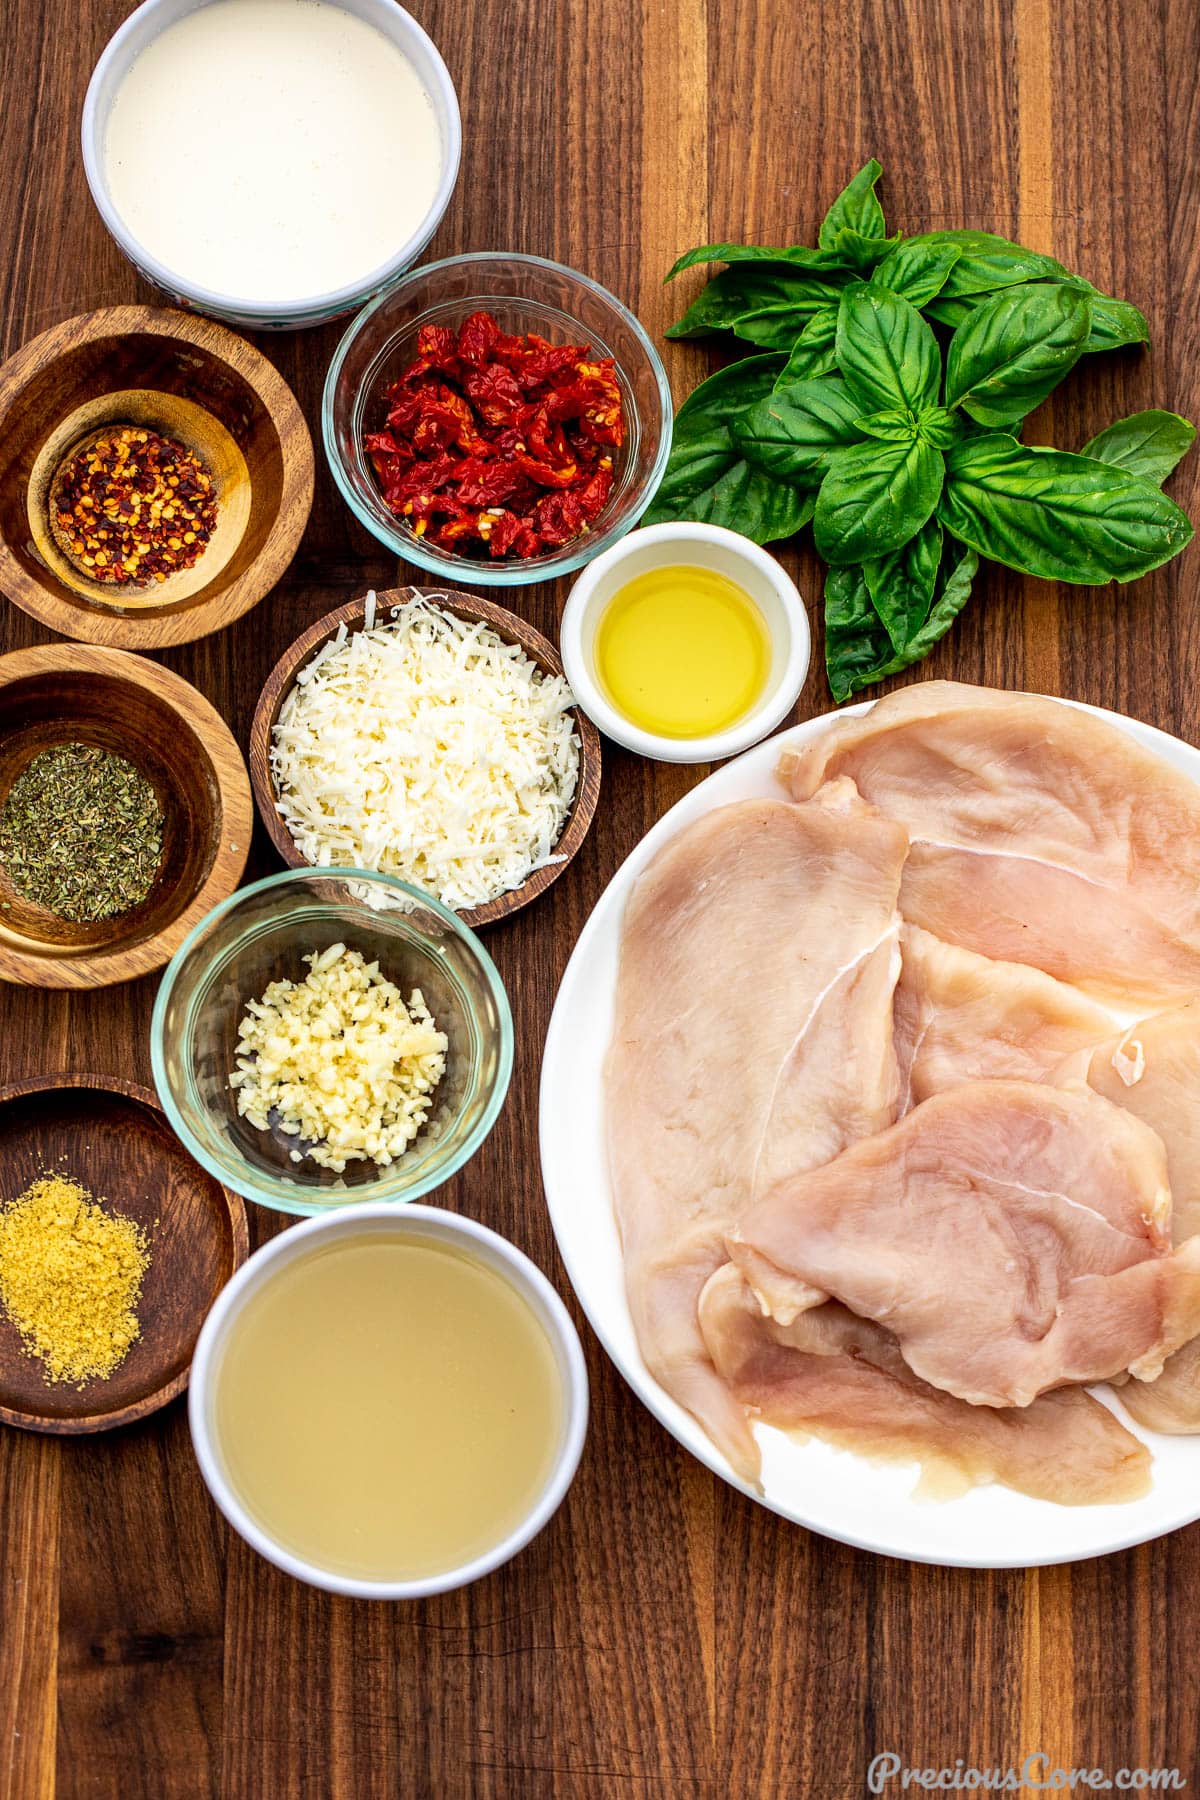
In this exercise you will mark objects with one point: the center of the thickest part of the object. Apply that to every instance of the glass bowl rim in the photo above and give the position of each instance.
(463, 569)
(248, 1186)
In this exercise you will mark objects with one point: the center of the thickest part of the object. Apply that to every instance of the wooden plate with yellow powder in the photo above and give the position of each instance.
(160, 1216)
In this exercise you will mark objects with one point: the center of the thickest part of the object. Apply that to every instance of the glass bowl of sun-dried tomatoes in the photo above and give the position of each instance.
(497, 419)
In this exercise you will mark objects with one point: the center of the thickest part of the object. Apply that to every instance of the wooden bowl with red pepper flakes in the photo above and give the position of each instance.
(156, 476)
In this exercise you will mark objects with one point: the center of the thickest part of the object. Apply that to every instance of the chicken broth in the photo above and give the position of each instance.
(388, 1408)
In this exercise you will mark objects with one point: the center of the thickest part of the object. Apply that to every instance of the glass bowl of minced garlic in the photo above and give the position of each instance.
(331, 1035)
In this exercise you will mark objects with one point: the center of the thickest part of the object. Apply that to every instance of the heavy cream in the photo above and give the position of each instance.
(272, 150)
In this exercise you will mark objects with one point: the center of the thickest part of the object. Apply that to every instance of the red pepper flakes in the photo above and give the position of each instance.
(497, 441)
(132, 507)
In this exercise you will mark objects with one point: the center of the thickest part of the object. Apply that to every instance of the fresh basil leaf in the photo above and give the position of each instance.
(764, 297)
(949, 312)
(742, 499)
(712, 483)
(938, 427)
(858, 650)
(1114, 324)
(708, 479)
(1146, 443)
(698, 460)
(874, 498)
(1046, 513)
(886, 351)
(729, 391)
(702, 451)
(986, 262)
(815, 351)
(901, 585)
(1012, 351)
(916, 271)
(793, 433)
(861, 251)
(856, 209)
(895, 424)
(798, 255)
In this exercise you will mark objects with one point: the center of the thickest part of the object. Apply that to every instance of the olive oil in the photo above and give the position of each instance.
(388, 1408)
(682, 651)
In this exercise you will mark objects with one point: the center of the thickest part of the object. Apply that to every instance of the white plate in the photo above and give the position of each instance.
(832, 1491)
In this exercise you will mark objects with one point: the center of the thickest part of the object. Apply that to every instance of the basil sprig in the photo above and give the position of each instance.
(902, 449)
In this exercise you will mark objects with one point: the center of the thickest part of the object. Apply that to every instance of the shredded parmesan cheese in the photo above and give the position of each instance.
(429, 748)
(344, 1065)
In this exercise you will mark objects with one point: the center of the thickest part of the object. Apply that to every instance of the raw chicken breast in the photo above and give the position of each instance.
(1041, 834)
(843, 1379)
(1153, 1070)
(1172, 1403)
(962, 1017)
(752, 1040)
(1013, 1236)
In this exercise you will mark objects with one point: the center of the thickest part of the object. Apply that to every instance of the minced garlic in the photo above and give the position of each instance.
(341, 1061)
(70, 1277)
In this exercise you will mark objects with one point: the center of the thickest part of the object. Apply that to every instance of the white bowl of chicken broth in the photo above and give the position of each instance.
(388, 1404)
(314, 146)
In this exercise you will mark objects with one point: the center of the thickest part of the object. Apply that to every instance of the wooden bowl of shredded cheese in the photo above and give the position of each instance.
(429, 735)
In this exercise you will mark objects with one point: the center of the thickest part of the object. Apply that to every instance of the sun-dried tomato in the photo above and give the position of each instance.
(593, 495)
(498, 444)
(494, 392)
(490, 483)
(477, 338)
(438, 346)
(559, 518)
(546, 474)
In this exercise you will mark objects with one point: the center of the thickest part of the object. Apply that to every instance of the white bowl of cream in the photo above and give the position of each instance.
(271, 162)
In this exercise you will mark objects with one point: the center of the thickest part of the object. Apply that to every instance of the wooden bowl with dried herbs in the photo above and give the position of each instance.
(113, 1246)
(156, 475)
(125, 814)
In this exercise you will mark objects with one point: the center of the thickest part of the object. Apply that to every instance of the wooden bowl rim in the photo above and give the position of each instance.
(507, 625)
(151, 631)
(103, 968)
(239, 1237)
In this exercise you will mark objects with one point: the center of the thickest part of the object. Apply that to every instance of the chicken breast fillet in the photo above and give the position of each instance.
(1153, 1070)
(1040, 834)
(752, 1041)
(1012, 1236)
(843, 1379)
(963, 1017)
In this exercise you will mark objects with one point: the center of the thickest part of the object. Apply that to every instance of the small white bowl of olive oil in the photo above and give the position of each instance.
(388, 1402)
(685, 642)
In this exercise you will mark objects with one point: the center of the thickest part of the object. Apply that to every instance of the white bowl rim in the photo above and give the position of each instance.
(524, 1275)
(756, 724)
(317, 306)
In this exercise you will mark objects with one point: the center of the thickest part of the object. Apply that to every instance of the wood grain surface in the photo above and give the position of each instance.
(472, 607)
(664, 1637)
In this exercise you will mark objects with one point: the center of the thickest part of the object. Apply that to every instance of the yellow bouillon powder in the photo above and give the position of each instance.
(70, 1277)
